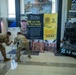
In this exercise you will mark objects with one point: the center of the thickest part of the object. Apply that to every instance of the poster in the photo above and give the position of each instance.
(35, 26)
(43, 45)
(38, 6)
(50, 26)
(50, 20)
(42, 35)
(50, 33)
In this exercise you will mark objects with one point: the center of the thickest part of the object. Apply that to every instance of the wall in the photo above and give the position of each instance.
(3, 14)
(0, 8)
(22, 6)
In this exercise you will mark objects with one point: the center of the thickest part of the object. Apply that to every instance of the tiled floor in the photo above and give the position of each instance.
(43, 64)
(1, 65)
(41, 70)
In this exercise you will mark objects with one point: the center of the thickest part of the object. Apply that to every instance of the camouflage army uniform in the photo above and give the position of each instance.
(3, 39)
(23, 43)
(24, 32)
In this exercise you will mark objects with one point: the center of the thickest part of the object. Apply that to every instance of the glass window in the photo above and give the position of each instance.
(38, 6)
(41, 27)
(11, 8)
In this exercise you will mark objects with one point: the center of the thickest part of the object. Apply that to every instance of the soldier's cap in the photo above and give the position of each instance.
(24, 18)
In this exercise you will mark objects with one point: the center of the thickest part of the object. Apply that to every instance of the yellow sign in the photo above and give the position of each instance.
(50, 33)
(50, 20)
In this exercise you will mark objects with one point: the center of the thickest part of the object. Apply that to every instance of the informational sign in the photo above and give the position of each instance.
(49, 33)
(35, 26)
(50, 26)
(37, 6)
(50, 20)
(41, 31)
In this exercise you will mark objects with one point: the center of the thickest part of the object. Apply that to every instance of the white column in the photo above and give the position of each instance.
(4, 14)
(64, 17)
(22, 6)
(54, 6)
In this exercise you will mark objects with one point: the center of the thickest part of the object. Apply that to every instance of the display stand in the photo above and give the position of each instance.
(69, 44)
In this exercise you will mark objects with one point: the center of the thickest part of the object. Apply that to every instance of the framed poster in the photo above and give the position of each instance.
(35, 26)
(38, 6)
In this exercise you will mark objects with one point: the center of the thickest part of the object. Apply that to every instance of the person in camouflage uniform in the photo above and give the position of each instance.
(23, 43)
(4, 39)
(23, 28)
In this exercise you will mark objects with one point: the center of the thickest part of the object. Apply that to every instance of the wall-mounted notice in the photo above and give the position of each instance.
(50, 20)
(50, 33)
(50, 26)
(35, 26)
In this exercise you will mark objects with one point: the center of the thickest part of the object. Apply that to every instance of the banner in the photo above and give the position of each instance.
(50, 20)
(50, 26)
(50, 33)
(35, 26)
(41, 31)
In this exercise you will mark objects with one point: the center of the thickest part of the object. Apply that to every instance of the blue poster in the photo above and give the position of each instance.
(35, 26)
